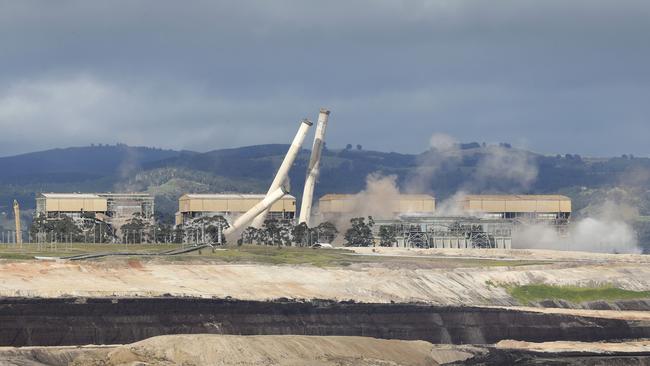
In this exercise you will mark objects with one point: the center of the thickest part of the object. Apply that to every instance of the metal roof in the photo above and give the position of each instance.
(71, 195)
(228, 196)
(340, 196)
(515, 197)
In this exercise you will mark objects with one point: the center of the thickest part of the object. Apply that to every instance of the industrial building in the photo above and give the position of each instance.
(552, 209)
(113, 208)
(447, 232)
(230, 206)
(333, 205)
(53, 205)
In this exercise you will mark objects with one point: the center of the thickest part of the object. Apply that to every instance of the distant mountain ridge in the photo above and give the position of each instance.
(168, 173)
(87, 160)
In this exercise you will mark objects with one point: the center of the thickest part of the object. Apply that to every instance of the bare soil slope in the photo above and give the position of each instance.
(476, 285)
(239, 350)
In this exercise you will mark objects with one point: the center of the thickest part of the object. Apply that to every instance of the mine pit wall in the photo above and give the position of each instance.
(78, 321)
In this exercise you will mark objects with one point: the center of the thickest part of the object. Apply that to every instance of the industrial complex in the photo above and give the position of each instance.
(487, 221)
(405, 220)
(112, 209)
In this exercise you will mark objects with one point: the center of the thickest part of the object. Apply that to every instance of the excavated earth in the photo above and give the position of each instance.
(221, 350)
(59, 304)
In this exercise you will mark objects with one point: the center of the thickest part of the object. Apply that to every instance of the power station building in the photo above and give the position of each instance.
(447, 232)
(552, 209)
(230, 206)
(333, 205)
(53, 205)
(115, 208)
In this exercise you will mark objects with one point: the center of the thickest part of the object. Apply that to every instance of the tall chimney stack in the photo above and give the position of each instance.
(283, 172)
(314, 167)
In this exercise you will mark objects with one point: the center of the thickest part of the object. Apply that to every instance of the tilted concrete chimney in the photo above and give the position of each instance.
(314, 167)
(283, 172)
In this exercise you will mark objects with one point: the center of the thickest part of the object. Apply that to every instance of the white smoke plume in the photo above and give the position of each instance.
(451, 206)
(377, 200)
(513, 166)
(442, 148)
(606, 232)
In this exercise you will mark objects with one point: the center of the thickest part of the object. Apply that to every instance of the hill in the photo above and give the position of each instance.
(468, 167)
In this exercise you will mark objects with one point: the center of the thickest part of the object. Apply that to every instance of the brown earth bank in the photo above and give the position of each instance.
(465, 283)
(223, 350)
(78, 321)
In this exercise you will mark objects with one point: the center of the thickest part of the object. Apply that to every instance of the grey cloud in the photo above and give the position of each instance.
(211, 74)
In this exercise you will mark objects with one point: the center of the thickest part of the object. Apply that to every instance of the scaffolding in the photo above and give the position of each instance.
(448, 232)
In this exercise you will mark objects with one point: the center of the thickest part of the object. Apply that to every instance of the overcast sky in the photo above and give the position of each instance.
(554, 76)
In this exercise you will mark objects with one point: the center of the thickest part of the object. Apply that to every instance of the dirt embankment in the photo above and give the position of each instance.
(245, 350)
(220, 350)
(363, 283)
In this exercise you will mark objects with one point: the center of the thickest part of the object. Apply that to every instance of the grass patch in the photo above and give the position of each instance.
(527, 294)
(28, 251)
(285, 255)
(255, 254)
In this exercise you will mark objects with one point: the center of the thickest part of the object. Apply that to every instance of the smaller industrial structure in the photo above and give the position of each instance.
(447, 232)
(74, 205)
(114, 209)
(551, 209)
(332, 206)
(230, 206)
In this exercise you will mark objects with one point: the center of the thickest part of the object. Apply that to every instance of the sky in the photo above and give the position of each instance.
(552, 76)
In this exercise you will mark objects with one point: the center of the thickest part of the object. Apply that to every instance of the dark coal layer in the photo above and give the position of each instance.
(79, 321)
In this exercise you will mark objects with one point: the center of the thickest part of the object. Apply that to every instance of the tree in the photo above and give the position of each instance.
(277, 232)
(250, 235)
(301, 234)
(207, 229)
(272, 231)
(360, 234)
(136, 230)
(326, 232)
(59, 229)
(359, 147)
(348, 147)
(387, 236)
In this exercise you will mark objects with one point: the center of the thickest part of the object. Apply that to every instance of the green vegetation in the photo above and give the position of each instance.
(360, 233)
(261, 254)
(292, 256)
(28, 251)
(527, 294)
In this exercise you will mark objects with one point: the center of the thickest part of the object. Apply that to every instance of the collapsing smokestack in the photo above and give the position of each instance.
(314, 167)
(283, 172)
(268, 201)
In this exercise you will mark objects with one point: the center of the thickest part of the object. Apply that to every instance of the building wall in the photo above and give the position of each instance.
(228, 203)
(517, 203)
(332, 204)
(116, 208)
(191, 206)
(70, 203)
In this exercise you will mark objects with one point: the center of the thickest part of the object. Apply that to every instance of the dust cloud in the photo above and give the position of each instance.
(602, 228)
(606, 231)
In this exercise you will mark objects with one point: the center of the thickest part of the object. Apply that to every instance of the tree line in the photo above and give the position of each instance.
(207, 229)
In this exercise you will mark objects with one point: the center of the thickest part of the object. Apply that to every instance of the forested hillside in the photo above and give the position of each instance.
(470, 167)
